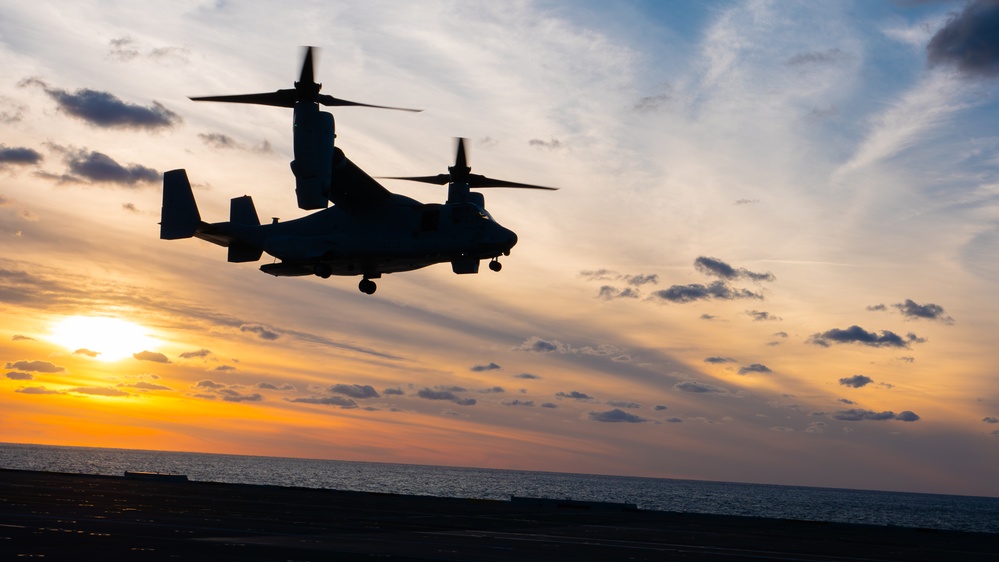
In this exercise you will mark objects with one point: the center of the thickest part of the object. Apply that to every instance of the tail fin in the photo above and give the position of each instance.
(243, 213)
(179, 217)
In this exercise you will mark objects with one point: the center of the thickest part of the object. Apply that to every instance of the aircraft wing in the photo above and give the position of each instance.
(352, 186)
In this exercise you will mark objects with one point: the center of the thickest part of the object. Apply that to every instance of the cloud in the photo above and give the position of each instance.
(151, 356)
(699, 387)
(97, 167)
(326, 401)
(827, 57)
(719, 360)
(660, 407)
(990, 419)
(538, 345)
(444, 394)
(19, 156)
(623, 404)
(270, 386)
(100, 391)
(201, 353)
(19, 376)
(35, 366)
(393, 392)
(608, 292)
(104, 109)
(208, 384)
(552, 144)
(649, 104)
(856, 381)
(642, 279)
(19, 337)
(910, 309)
(856, 334)
(762, 316)
(493, 390)
(857, 414)
(230, 395)
(482, 368)
(146, 385)
(549, 405)
(695, 292)
(126, 49)
(527, 376)
(575, 395)
(615, 416)
(877, 307)
(87, 352)
(37, 390)
(224, 368)
(754, 368)
(528, 403)
(969, 40)
(261, 331)
(225, 142)
(717, 268)
(354, 390)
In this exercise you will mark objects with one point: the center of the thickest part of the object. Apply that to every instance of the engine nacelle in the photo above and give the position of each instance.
(314, 132)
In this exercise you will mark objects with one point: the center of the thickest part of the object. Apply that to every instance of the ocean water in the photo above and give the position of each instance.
(928, 511)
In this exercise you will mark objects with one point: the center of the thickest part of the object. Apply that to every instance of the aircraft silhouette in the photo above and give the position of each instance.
(369, 231)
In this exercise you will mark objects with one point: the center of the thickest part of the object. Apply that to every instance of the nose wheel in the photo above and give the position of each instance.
(495, 265)
(367, 286)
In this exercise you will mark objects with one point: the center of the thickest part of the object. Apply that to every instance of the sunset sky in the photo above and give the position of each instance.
(774, 256)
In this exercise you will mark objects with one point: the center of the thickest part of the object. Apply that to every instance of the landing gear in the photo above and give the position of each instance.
(323, 270)
(367, 286)
(495, 265)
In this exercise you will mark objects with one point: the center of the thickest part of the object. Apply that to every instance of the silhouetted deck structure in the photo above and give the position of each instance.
(76, 517)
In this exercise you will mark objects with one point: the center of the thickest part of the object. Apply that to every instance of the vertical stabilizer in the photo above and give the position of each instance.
(179, 216)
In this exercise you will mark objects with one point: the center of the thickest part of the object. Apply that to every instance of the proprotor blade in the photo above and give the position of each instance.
(280, 98)
(307, 76)
(439, 179)
(331, 101)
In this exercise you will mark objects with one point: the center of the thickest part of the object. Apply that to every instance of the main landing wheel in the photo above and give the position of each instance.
(495, 265)
(367, 286)
(323, 270)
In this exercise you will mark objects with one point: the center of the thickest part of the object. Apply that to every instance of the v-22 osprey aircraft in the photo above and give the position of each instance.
(369, 231)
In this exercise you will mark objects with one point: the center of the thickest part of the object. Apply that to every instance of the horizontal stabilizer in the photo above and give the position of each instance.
(179, 216)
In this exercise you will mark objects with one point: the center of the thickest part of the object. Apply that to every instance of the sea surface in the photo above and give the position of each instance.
(928, 511)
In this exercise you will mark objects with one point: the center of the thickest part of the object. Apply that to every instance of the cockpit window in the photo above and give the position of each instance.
(463, 214)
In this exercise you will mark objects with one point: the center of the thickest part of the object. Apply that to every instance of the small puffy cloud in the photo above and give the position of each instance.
(19, 337)
(762, 316)
(526, 376)
(444, 394)
(104, 109)
(718, 290)
(493, 390)
(19, 376)
(856, 381)
(97, 167)
(552, 144)
(393, 392)
(354, 390)
(719, 360)
(856, 334)
(18, 156)
(146, 385)
(858, 414)
(930, 311)
(224, 368)
(969, 40)
(37, 390)
(817, 58)
(608, 292)
(35, 366)
(673, 420)
(327, 401)
(846, 401)
(660, 407)
(615, 416)
(538, 345)
(624, 404)
(698, 387)
(642, 279)
(599, 274)
(754, 368)
(201, 353)
(262, 332)
(151, 356)
(549, 405)
(527, 403)
(208, 384)
(87, 352)
(990, 419)
(483, 368)
(271, 386)
(575, 395)
(877, 308)
(100, 391)
(717, 268)
(225, 142)
(230, 395)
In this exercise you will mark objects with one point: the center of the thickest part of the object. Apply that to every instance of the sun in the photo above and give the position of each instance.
(104, 338)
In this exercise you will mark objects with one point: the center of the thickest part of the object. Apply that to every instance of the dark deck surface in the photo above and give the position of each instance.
(54, 516)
